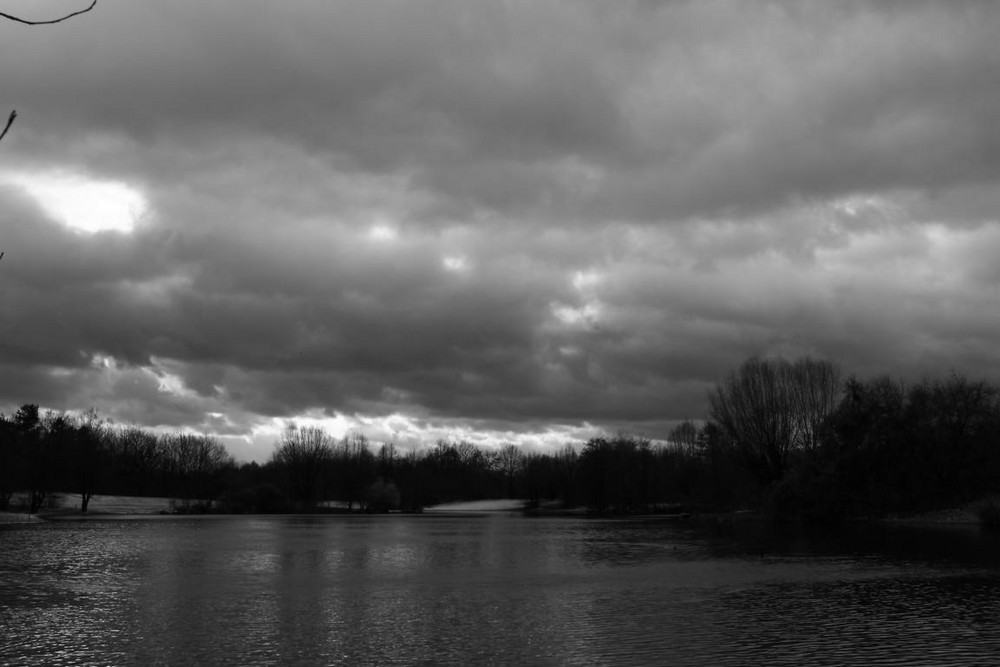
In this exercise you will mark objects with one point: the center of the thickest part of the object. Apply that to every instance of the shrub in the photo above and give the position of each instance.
(382, 496)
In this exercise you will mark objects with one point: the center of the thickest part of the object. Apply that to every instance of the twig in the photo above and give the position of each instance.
(13, 115)
(50, 22)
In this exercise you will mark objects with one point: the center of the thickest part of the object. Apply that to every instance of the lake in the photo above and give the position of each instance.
(457, 589)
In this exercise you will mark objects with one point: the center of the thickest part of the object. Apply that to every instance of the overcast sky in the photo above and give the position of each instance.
(498, 221)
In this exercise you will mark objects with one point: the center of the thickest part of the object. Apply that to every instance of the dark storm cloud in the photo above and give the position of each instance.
(692, 107)
(507, 217)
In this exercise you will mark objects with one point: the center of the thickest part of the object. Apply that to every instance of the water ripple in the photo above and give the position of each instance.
(474, 590)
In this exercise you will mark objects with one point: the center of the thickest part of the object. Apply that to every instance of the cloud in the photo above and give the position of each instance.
(521, 220)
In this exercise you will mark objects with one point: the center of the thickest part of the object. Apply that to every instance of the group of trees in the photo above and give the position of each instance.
(42, 453)
(896, 447)
(311, 466)
(791, 436)
(821, 448)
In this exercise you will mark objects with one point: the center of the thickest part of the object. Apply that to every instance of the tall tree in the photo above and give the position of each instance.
(771, 408)
(34, 451)
(510, 460)
(303, 453)
(90, 456)
(356, 462)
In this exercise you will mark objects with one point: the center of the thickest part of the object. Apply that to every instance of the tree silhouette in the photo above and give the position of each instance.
(303, 453)
(770, 408)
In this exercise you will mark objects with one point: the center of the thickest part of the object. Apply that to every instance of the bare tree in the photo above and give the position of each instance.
(193, 461)
(387, 461)
(93, 435)
(357, 468)
(815, 387)
(510, 460)
(32, 442)
(769, 408)
(685, 436)
(304, 452)
(138, 459)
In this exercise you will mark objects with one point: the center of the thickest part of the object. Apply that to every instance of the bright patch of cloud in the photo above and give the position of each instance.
(455, 263)
(584, 279)
(383, 233)
(81, 203)
(586, 315)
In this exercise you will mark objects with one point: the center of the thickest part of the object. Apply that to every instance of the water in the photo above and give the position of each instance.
(491, 590)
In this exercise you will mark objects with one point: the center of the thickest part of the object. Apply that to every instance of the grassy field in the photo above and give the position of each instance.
(67, 504)
(499, 505)
(61, 503)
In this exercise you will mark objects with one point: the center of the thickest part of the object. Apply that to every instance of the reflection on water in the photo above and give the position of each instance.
(491, 590)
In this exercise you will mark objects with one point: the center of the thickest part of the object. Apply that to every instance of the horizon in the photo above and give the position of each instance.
(532, 223)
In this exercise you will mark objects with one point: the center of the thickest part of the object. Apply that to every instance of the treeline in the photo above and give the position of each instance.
(791, 437)
(311, 471)
(43, 453)
(819, 448)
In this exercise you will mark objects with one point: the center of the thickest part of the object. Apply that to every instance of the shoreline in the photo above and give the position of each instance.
(966, 515)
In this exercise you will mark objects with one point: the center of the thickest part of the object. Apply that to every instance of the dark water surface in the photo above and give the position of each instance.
(492, 589)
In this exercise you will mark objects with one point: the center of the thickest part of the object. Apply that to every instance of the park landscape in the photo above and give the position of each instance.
(461, 332)
(786, 440)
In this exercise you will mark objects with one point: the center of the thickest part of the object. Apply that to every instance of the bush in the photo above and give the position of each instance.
(260, 499)
(382, 496)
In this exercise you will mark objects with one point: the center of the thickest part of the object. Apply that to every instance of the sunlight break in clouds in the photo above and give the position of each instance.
(383, 232)
(455, 263)
(81, 203)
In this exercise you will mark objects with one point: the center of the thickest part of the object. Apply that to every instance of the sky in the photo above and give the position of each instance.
(530, 222)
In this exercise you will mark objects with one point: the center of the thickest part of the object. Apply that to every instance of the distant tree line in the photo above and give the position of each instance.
(43, 453)
(791, 437)
(819, 448)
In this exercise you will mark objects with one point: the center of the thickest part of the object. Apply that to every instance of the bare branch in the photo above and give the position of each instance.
(13, 115)
(49, 22)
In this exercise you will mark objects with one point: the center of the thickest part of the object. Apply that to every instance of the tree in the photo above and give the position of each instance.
(616, 474)
(410, 476)
(771, 408)
(387, 461)
(356, 462)
(193, 461)
(138, 460)
(510, 460)
(303, 453)
(382, 496)
(89, 457)
(59, 441)
(34, 451)
(10, 461)
(815, 389)
(684, 436)
(954, 430)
